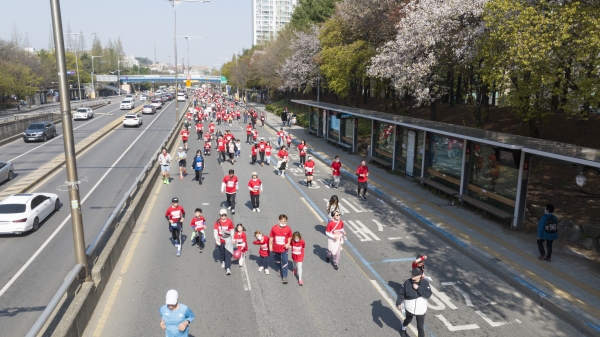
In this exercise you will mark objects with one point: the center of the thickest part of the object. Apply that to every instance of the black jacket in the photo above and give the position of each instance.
(408, 293)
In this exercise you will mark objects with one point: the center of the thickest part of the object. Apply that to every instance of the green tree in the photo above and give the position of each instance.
(309, 12)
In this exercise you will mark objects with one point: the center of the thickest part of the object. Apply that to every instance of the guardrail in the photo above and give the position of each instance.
(110, 224)
(69, 280)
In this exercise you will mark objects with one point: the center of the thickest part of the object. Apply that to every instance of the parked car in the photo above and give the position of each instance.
(20, 213)
(132, 120)
(6, 171)
(83, 113)
(39, 131)
(148, 109)
(157, 103)
(127, 104)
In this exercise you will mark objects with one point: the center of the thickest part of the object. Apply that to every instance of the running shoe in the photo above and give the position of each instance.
(254, 210)
(233, 211)
(267, 271)
(284, 280)
(300, 283)
(228, 271)
(222, 264)
(258, 210)
(335, 266)
(261, 268)
(228, 207)
(178, 253)
(168, 182)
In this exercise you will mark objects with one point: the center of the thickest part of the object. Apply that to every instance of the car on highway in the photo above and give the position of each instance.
(157, 103)
(132, 120)
(6, 171)
(83, 113)
(24, 212)
(181, 97)
(39, 131)
(144, 97)
(148, 109)
(130, 97)
(127, 104)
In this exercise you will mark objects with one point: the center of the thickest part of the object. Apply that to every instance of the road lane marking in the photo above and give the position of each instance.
(457, 327)
(466, 296)
(443, 297)
(398, 238)
(39, 250)
(403, 259)
(245, 276)
(379, 225)
(363, 233)
(489, 321)
(117, 286)
(342, 208)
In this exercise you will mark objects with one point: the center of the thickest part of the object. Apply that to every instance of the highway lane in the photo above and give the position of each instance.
(56, 106)
(26, 157)
(353, 301)
(39, 277)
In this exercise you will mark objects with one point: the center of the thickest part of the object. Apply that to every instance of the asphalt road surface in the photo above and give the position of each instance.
(34, 264)
(356, 300)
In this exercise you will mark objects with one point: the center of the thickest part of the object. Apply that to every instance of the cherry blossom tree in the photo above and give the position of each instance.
(301, 70)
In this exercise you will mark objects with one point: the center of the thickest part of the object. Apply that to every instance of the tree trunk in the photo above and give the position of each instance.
(485, 100)
(458, 86)
(494, 94)
(366, 90)
(451, 87)
(533, 129)
(432, 111)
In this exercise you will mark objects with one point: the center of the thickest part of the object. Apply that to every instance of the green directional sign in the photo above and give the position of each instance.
(223, 79)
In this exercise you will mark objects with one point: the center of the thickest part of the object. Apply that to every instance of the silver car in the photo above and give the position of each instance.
(7, 172)
(132, 120)
(148, 109)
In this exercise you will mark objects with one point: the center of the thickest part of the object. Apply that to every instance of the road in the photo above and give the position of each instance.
(356, 300)
(35, 264)
(50, 107)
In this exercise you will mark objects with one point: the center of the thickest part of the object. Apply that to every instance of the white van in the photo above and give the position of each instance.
(180, 97)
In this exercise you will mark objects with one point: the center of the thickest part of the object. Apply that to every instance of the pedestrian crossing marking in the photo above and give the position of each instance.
(363, 233)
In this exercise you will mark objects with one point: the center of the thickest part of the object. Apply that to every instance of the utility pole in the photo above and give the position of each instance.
(154, 54)
(69, 144)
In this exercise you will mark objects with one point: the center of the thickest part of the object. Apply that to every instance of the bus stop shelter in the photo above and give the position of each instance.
(486, 169)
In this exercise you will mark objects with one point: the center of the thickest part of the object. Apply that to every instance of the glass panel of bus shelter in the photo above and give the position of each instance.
(494, 172)
(446, 160)
(314, 119)
(348, 135)
(401, 150)
(384, 141)
(334, 127)
(419, 154)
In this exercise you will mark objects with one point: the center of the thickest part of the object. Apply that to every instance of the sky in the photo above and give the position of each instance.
(226, 25)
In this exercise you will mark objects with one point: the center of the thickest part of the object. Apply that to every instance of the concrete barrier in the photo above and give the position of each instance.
(79, 313)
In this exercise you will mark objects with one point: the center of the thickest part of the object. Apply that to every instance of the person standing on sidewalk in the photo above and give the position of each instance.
(175, 214)
(284, 116)
(230, 187)
(222, 232)
(415, 293)
(336, 171)
(175, 317)
(164, 159)
(255, 187)
(363, 175)
(547, 231)
(263, 251)
(336, 235)
(279, 243)
(198, 166)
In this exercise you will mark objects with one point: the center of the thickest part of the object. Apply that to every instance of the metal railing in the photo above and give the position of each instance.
(39, 323)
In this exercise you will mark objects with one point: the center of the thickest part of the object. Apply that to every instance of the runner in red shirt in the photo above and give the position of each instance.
(283, 157)
(254, 135)
(219, 117)
(261, 150)
(207, 136)
(198, 225)
(302, 148)
(221, 149)
(298, 246)
(336, 171)
(199, 129)
(255, 187)
(223, 230)
(336, 236)
(263, 251)
(239, 241)
(248, 133)
(280, 137)
(363, 173)
(254, 149)
(228, 136)
(175, 214)
(211, 128)
(184, 137)
(279, 243)
(288, 140)
(230, 187)
(268, 150)
(309, 170)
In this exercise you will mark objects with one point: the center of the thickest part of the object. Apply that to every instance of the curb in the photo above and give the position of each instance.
(556, 305)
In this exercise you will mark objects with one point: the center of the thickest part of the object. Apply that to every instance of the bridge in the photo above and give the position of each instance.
(161, 78)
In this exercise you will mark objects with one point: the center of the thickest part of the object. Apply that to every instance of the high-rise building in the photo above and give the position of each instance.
(268, 17)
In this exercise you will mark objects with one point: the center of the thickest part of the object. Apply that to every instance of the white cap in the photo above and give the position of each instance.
(223, 211)
(255, 174)
(172, 297)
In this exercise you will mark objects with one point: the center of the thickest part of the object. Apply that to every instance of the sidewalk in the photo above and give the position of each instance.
(569, 286)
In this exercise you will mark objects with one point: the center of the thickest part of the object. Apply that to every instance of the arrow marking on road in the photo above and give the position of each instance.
(489, 321)
(462, 292)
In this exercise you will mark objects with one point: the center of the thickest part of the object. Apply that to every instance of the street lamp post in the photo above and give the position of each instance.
(93, 87)
(69, 144)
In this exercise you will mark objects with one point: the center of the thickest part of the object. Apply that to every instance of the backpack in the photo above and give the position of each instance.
(551, 225)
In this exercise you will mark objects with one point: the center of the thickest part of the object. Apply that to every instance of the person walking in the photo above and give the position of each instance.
(182, 159)
(415, 293)
(288, 140)
(221, 148)
(336, 171)
(230, 187)
(255, 187)
(284, 115)
(302, 149)
(184, 137)
(280, 137)
(222, 232)
(198, 166)
(199, 129)
(363, 175)
(298, 246)
(261, 150)
(198, 225)
(279, 243)
(231, 151)
(333, 206)
(238, 148)
(336, 236)
(263, 251)
(547, 231)
(239, 238)
(175, 214)
(175, 317)
(253, 153)
(309, 169)
(164, 159)
(283, 157)
(268, 150)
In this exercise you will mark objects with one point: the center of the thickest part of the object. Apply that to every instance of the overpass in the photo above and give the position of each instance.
(161, 78)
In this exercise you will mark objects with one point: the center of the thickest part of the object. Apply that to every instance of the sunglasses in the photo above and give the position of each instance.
(337, 214)
(223, 214)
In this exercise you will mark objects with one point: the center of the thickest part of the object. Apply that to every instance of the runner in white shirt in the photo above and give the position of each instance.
(164, 160)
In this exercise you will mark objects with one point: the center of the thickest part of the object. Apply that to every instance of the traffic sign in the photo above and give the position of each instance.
(71, 72)
(188, 77)
(188, 83)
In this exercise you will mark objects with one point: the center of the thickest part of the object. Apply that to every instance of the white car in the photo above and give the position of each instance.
(20, 213)
(83, 113)
(130, 97)
(157, 103)
(127, 104)
(132, 120)
(181, 97)
(143, 97)
(7, 171)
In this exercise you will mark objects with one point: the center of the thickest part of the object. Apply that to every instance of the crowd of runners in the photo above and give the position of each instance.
(230, 239)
